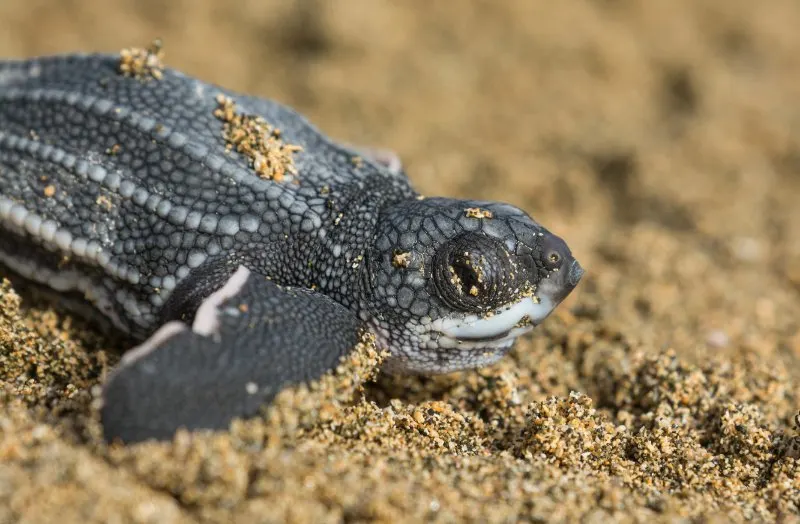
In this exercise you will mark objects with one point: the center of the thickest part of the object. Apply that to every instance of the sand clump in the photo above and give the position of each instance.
(143, 63)
(44, 361)
(257, 140)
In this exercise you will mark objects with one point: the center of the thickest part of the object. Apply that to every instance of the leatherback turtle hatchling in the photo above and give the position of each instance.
(243, 249)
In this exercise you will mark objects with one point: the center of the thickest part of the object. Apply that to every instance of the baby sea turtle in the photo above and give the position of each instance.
(242, 248)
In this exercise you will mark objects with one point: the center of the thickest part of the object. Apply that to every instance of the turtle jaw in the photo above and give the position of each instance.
(503, 325)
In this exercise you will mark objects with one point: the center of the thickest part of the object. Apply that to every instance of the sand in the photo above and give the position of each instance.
(661, 138)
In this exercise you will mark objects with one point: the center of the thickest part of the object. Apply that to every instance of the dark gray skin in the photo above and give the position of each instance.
(121, 190)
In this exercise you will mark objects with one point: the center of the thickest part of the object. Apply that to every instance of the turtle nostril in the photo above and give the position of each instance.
(575, 273)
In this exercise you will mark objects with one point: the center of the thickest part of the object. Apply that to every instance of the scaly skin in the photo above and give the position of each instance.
(121, 189)
(176, 197)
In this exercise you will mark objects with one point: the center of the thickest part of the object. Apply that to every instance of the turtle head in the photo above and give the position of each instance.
(453, 283)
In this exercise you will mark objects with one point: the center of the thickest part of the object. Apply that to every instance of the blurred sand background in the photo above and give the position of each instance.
(660, 138)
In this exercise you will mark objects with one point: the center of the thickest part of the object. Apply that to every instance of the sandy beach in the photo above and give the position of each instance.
(660, 138)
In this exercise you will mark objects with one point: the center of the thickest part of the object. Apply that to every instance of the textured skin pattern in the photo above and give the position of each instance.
(127, 184)
(122, 191)
(267, 338)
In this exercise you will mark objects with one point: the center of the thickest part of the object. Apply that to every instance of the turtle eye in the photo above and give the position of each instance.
(467, 274)
(471, 273)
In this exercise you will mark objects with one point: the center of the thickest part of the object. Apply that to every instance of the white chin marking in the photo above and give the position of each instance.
(501, 324)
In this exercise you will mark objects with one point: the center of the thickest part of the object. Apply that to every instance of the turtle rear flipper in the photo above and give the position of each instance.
(386, 158)
(248, 340)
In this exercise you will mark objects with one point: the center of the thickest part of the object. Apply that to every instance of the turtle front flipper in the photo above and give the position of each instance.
(248, 340)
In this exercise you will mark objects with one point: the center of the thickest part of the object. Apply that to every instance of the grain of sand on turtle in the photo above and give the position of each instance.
(665, 386)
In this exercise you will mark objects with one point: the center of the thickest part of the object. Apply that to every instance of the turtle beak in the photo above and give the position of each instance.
(574, 274)
(559, 284)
